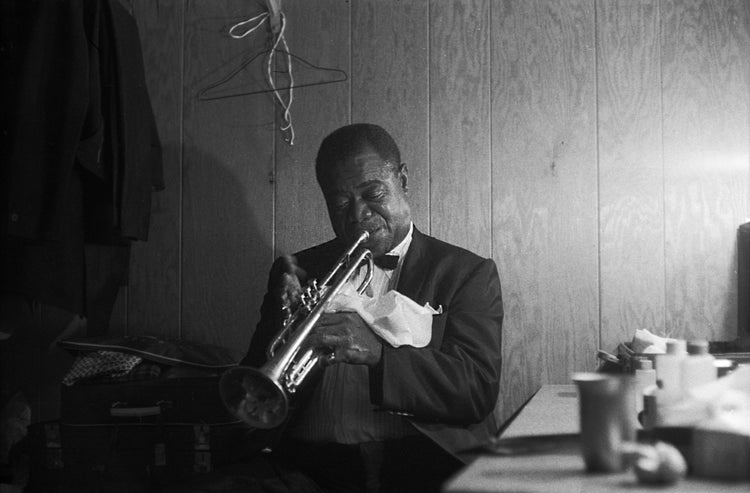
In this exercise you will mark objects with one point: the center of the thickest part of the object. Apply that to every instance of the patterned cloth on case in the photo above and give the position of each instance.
(101, 363)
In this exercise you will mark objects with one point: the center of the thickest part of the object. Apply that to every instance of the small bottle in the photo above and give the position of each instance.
(699, 367)
(650, 414)
(668, 370)
(645, 376)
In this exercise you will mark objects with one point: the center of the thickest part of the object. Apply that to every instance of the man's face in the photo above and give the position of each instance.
(365, 193)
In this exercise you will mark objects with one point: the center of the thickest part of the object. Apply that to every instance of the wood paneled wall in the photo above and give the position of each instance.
(596, 149)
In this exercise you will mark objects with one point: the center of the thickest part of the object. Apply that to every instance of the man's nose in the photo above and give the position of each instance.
(360, 211)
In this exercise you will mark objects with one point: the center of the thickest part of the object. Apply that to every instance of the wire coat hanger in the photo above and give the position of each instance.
(205, 93)
(277, 23)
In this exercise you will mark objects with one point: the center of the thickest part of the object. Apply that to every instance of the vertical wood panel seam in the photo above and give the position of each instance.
(127, 310)
(747, 161)
(275, 174)
(351, 50)
(181, 160)
(663, 168)
(429, 118)
(275, 168)
(598, 173)
(37, 313)
(489, 130)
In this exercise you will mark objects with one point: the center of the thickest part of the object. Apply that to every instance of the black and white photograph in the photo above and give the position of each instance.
(380, 246)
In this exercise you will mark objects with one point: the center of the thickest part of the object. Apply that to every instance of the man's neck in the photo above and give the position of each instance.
(403, 245)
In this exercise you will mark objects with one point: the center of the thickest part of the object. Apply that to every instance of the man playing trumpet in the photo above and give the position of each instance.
(381, 417)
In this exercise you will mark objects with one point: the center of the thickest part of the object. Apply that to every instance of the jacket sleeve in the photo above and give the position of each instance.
(270, 320)
(455, 379)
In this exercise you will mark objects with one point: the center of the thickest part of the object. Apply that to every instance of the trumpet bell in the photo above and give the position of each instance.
(254, 397)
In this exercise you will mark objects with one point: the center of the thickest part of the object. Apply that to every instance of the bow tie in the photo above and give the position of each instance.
(388, 262)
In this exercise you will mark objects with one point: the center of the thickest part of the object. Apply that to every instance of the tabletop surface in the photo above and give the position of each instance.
(553, 410)
(542, 455)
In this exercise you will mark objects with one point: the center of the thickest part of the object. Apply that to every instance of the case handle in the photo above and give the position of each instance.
(117, 411)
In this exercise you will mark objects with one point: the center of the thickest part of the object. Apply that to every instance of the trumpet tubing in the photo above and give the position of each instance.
(261, 396)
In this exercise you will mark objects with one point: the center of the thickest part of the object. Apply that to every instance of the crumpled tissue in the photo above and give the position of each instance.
(723, 404)
(646, 342)
(718, 415)
(396, 318)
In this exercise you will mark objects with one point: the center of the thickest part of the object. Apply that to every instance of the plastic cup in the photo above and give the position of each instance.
(607, 419)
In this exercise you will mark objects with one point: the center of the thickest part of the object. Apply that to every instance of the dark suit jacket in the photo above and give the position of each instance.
(449, 388)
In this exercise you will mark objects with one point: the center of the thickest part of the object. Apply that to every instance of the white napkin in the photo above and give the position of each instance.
(727, 402)
(721, 405)
(648, 343)
(399, 320)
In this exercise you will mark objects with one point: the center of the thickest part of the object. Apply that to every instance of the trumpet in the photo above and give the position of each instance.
(261, 397)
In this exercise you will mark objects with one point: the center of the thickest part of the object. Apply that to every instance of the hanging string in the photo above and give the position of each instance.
(259, 18)
(288, 105)
(251, 25)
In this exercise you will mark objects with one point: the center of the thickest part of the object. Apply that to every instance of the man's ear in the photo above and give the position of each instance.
(403, 175)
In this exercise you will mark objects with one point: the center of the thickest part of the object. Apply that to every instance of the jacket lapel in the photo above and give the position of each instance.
(415, 268)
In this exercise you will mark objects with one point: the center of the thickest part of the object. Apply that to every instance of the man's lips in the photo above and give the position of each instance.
(373, 230)
(376, 235)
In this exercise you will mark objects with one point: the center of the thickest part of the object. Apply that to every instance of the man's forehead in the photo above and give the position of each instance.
(368, 157)
(356, 176)
(362, 164)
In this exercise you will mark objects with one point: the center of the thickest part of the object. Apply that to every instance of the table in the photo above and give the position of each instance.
(551, 461)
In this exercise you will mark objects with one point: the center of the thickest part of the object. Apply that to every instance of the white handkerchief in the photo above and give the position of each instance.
(396, 318)
(648, 343)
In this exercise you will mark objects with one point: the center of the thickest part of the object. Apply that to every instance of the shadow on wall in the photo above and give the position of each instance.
(226, 248)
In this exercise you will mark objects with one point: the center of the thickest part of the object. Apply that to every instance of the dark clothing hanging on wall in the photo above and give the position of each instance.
(80, 151)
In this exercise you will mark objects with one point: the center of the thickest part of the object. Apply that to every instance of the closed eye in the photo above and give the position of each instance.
(376, 195)
(339, 204)
(376, 198)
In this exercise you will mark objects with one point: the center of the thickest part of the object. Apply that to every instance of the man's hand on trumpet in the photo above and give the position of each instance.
(348, 337)
(289, 289)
